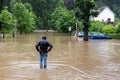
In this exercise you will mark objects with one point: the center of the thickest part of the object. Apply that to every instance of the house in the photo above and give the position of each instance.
(105, 15)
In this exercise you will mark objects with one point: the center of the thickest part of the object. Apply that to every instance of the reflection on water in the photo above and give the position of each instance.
(92, 60)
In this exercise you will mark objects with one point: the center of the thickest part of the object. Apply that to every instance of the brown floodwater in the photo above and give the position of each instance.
(68, 60)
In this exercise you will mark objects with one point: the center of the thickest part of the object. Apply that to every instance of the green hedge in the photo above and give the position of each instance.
(108, 29)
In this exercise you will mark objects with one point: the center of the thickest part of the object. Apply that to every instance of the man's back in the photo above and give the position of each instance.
(44, 45)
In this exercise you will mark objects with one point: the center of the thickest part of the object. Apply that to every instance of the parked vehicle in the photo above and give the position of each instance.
(81, 34)
(99, 36)
(1, 35)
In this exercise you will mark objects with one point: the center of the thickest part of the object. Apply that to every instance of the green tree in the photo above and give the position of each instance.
(69, 4)
(109, 29)
(62, 19)
(118, 27)
(43, 10)
(1, 4)
(7, 21)
(83, 9)
(96, 26)
(25, 18)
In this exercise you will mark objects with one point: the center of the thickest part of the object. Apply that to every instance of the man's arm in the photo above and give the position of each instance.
(50, 47)
(37, 47)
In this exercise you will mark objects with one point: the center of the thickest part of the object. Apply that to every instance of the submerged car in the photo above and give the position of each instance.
(99, 36)
(81, 34)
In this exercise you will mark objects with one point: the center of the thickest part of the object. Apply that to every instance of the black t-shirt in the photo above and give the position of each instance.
(43, 45)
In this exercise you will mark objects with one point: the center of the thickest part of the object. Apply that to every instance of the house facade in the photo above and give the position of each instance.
(105, 15)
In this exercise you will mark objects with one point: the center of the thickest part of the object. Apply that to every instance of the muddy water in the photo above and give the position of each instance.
(92, 60)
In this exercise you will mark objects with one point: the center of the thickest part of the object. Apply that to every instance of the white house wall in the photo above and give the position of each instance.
(105, 14)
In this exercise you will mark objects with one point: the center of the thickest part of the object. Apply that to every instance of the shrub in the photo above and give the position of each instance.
(118, 28)
(96, 26)
(108, 29)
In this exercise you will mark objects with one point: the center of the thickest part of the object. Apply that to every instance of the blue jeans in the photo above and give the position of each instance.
(43, 56)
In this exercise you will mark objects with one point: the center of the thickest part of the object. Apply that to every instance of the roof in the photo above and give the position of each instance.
(103, 8)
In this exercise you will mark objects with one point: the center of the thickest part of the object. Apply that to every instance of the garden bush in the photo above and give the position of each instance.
(96, 26)
(109, 29)
(118, 28)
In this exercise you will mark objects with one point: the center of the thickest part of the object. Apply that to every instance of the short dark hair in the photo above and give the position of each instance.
(44, 37)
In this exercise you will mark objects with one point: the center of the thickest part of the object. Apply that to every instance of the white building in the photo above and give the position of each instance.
(105, 14)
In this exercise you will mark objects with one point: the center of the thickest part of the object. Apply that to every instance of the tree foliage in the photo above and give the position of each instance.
(96, 26)
(25, 18)
(62, 19)
(1, 4)
(51, 16)
(69, 4)
(7, 21)
(118, 27)
(43, 9)
(108, 29)
(82, 10)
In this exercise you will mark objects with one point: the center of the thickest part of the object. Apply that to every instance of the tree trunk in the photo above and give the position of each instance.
(13, 35)
(21, 32)
(3, 35)
(85, 32)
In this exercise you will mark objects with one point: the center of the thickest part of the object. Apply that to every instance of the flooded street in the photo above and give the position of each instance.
(68, 60)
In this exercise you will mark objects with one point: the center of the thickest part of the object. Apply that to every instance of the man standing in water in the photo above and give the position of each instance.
(43, 47)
